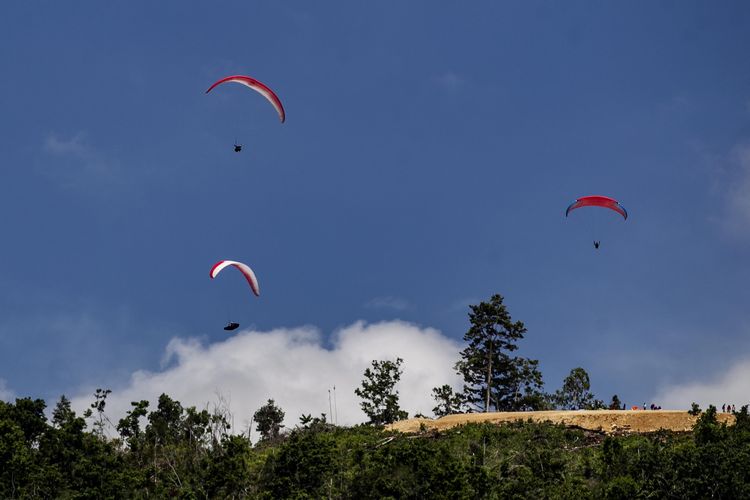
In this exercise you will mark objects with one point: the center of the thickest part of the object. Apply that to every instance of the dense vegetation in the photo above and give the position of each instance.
(186, 453)
(177, 451)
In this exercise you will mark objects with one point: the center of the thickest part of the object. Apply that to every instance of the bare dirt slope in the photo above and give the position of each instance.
(608, 421)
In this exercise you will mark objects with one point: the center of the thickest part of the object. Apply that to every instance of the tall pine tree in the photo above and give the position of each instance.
(493, 378)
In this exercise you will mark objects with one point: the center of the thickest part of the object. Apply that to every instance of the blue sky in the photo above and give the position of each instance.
(429, 153)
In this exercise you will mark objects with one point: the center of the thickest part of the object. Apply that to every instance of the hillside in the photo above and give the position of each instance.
(607, 421)
(172, 451)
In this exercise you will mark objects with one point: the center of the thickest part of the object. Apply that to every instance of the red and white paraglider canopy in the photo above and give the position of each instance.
(259, 87)
(243, 268)
(598, 201)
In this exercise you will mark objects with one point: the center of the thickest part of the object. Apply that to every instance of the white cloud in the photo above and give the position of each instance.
(86, 167)
(5, 393)
(294, 368)
(738, 193)
(463, 305)
(449, 80)
(74, 146)
(388, 302)
(731, 386)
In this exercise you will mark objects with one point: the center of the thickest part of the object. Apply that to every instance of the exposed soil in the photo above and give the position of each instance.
(607, 421)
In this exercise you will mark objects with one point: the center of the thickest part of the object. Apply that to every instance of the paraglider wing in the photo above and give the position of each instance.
(231, 326)
(258, 87)
(243, 268)
(598, 201)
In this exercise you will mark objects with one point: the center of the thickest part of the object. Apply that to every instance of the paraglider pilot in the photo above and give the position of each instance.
(596, 244)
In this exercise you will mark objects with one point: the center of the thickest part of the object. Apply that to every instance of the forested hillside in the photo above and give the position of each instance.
(173, 451)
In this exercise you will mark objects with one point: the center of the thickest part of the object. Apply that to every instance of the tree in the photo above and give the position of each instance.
(575, 393)
(268, 420)
(448, 402)
(165, 423)
(741, 420)
(492, 377)
(615, 404)
(100, 402)
(22, 425)
(64, 444)
(129, 426)
(524, 386)
(597, 404)
(707, 428)
(309, 422)
(28, 415)
(379, 394)
(64, 416)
